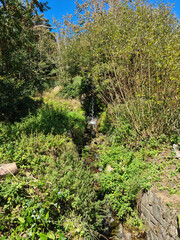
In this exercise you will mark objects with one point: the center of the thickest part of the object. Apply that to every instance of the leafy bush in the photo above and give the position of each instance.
(133, 60)
(105, 122)
(125, 178)
(53, 192)
(72, 89)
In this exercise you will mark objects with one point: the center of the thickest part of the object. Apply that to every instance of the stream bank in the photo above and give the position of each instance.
(116, 229)
(160, 221)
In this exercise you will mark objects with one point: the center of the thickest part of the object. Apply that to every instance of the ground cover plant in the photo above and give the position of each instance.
(131, 167)
(53, 195)
(55, 117)
(128, 164)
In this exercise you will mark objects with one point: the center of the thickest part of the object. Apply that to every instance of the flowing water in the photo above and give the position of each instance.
(93, 120)
(116, 231)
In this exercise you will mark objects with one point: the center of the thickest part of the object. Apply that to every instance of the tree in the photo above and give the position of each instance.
(129, 50)
(21, 27)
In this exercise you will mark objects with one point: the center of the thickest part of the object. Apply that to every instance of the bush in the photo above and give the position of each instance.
(71, 88)
(53, 192)
(133, 60)
(126, 177)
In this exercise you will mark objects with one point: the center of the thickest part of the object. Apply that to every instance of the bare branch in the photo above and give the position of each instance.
(36, 26)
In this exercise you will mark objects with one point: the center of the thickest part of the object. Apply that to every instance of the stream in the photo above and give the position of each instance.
(116, 230)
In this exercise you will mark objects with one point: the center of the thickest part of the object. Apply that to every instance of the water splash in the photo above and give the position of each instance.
(93, 120)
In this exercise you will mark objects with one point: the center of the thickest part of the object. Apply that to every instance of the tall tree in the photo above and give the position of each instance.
(20, 27)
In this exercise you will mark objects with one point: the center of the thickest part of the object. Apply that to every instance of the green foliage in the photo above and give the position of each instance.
(116, 124)
(122, 183)
(52, 185)
(134, 221)
(72, 88)
(13, 107)
(125, 171)
(53, 194)
(55, 119)
(125, 55)
(104, 125)
(24, 66)
(127, 50)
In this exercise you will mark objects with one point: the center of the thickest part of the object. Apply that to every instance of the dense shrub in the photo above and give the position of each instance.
(53, 192)
(122, 183)
(128, 50)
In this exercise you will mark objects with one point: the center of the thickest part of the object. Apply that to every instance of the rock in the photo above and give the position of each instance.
(128, 236)
(100, 169)
(161, 221)
(120, 233)
(176, 150)
(8, 168)
(157, 213)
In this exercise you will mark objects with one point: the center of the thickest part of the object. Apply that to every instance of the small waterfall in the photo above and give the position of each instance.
(93, 120)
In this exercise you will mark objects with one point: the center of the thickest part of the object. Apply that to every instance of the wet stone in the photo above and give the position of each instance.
(120, 233)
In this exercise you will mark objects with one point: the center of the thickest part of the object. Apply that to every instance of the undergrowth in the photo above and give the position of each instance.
(58, 195)
(129, 163)
(54, 117)
(52, 194)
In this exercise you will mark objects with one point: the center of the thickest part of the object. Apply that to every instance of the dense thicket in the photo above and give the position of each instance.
(129, 50)
(24, 66)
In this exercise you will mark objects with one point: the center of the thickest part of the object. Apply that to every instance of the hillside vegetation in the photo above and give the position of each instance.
(118, 59)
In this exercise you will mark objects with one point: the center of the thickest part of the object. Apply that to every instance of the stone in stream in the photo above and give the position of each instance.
(120, 232)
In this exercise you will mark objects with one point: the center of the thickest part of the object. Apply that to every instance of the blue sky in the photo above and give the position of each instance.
(62, 7)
